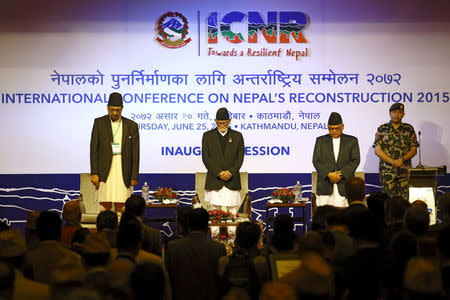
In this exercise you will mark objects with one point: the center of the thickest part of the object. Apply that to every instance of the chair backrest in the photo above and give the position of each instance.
(200, 179)
(314, 180)
(90, 203)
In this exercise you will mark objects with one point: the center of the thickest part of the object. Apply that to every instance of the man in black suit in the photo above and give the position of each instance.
(192, 261)
(336, 157)
(223, 155)
(114, 155)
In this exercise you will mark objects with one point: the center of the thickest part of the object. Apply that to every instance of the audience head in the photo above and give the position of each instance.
(355, 189)
(443, 240)
(198, 219)
(403, 246)
(314, 279)
(311, 242)
(48, 226)
(417, 220)
(12, 247)
(107, 219)
(31, 236)
(147, 277)
(444, 206)
(363, 227)
(337, 220)
(284, 237)
(376, 203)
(423, 277)
(129, 235)
(4, 225)
(396, 208)
(319, 220)
(78, 238)
(72, 213)
(247, 235)
(283, 223)
(183, 220)
(96, 249)
(420, 203)
(135, 205)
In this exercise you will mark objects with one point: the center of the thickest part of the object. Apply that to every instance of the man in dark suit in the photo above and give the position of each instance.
(223, 155)
(151, 237)
(336, 157)
(192, 261)
(114, 155)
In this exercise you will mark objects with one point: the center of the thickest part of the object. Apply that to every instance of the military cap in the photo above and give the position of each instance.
(397, 106)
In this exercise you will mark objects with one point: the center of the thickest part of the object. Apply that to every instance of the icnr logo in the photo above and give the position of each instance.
(280, 27)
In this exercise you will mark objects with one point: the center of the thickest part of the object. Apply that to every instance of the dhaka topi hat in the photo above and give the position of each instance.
(335, 119)
(115, 99)
(222, 114)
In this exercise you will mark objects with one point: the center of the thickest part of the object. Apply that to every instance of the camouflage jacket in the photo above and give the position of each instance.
(395, 142)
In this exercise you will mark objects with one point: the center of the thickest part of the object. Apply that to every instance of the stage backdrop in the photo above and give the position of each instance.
(280, 68)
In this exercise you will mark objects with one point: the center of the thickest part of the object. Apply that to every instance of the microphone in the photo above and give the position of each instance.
(420, 154)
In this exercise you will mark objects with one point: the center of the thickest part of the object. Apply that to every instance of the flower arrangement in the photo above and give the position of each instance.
(284, 195)
(218, 215)
(164, 193)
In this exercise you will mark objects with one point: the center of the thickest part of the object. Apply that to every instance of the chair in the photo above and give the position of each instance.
(244, 206)
(88, 201)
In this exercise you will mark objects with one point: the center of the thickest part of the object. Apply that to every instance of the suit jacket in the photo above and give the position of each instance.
(325, 162)
(192, 264)
(151, 240)
(215, 161)
(101, 151)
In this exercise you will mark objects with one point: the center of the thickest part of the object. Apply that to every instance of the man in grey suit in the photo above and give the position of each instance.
(223, 155)
(192, 261)
(336, 157)
(114, 155)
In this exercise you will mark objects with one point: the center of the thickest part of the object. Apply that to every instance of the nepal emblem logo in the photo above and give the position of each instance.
(172, 29)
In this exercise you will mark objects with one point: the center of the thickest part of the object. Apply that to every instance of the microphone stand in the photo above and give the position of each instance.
(420, 166)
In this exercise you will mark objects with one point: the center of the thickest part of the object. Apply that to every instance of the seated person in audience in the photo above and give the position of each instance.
(376, 203)
(12, 253)
(78, 239)
(423, 279)
(403, 246)
(96, 253)
(31, 236)
(443, 204)
(283, 238)
(129, 253)
(151, 239)
(67, 275)
(192, 261)
(183, 221)
(108, 222)
(395, 212)
(49, 252)
(313, 279)
(253, 265)
(71, 216)
(444, 250)
(147, 279)
(417, 220)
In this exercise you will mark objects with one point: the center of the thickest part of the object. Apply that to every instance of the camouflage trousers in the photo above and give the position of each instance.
(393, 185)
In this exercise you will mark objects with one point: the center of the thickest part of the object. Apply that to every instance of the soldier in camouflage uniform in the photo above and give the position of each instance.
(395, 144)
